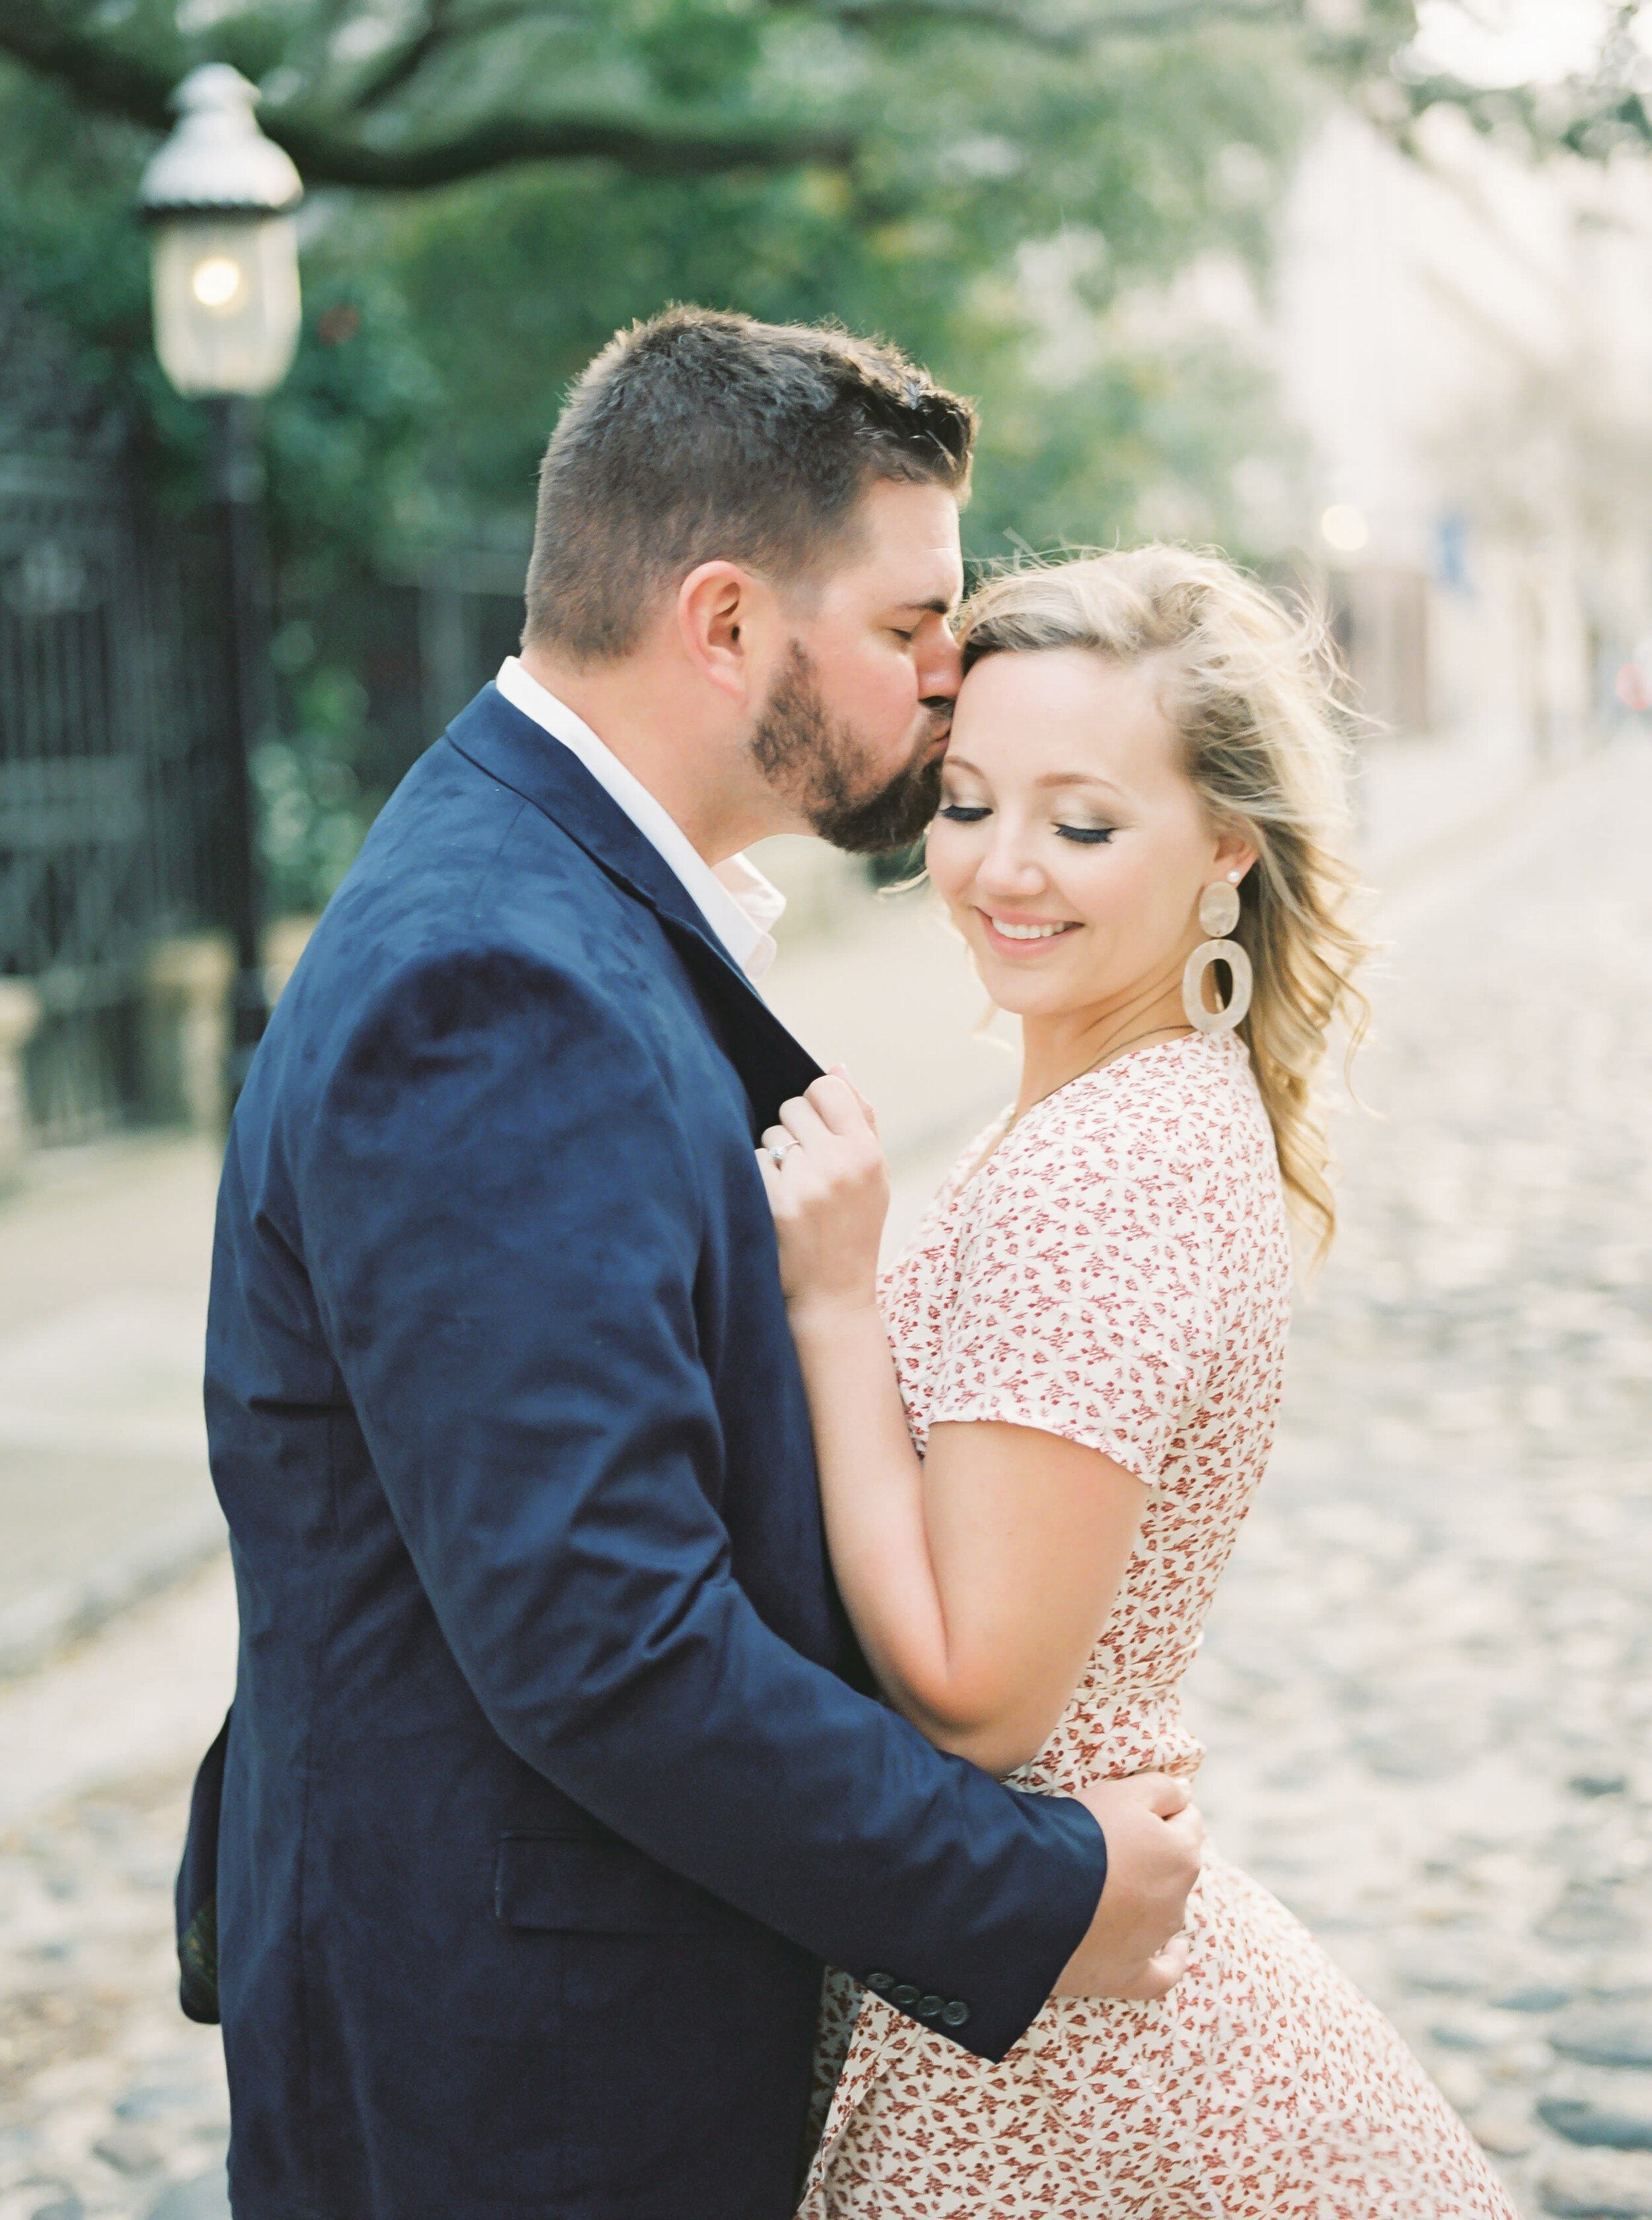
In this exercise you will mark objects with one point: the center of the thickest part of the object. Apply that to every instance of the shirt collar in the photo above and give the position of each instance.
(736, 901)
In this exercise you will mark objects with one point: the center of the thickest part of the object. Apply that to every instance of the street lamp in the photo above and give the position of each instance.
(220, 198)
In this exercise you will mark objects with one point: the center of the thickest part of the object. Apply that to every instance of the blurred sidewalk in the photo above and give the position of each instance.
(102, 1291)
(103, 1254)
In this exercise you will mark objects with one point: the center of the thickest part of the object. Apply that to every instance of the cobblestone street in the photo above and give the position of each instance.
(1428, 1683)
(111, 2101)
(1428, 1686)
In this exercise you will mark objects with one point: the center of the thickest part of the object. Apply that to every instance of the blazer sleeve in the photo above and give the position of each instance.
(502, 1230)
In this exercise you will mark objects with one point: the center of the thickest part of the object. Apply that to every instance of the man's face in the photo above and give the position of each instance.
(855, 727)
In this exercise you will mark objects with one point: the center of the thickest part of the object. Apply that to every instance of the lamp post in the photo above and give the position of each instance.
(220, 197)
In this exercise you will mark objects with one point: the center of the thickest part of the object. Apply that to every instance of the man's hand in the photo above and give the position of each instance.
(1155, 1840)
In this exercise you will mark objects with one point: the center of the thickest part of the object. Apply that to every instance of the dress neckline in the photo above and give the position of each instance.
(991, 1142)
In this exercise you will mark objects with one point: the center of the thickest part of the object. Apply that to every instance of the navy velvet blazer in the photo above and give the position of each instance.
(547, 1787)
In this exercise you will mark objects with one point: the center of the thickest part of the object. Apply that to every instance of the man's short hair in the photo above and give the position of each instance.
(698, 436)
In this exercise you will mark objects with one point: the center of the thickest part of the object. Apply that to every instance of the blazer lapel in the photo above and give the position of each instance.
(510, 746)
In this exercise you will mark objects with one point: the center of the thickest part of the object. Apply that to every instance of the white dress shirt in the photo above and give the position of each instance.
(735, 900)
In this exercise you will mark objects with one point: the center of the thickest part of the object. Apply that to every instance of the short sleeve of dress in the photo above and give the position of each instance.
(1082, 1308)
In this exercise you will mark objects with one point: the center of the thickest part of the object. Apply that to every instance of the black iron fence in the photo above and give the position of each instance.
(113, 684)
(100, 799)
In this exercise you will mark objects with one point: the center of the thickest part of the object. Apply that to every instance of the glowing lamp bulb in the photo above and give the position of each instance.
(216, 282)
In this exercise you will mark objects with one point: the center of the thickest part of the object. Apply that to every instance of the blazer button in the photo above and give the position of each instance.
(955, 2014)
(906, 1995)
(878, 1979)
(928, 2007)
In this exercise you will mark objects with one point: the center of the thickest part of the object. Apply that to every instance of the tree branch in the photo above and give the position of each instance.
(104, 76)
(402, 61)
(1149, 19)
(138, 89)
(325, 157)
(438, 33)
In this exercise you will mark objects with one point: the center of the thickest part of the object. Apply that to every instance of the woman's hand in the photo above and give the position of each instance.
(978, 1576)
(828, 1187)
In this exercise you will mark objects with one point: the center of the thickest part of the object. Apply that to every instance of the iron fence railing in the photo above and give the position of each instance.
(100, 794)
(112, 686)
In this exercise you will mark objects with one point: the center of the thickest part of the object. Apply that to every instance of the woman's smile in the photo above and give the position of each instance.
(1024, 936)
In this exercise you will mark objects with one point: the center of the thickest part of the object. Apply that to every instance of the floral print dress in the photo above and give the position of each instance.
(1117, 1272)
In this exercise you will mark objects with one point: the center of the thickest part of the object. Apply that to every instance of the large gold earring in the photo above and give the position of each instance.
(1219, 912)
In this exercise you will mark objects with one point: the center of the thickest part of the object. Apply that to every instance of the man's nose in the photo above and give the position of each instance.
(941, 672)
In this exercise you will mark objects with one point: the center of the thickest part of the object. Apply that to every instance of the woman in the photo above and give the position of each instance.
(1035, 1459)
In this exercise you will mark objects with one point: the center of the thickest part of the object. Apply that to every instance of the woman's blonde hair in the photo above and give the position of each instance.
(1253, 690)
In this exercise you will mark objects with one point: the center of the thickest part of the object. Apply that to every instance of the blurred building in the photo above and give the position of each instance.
(1466, 338)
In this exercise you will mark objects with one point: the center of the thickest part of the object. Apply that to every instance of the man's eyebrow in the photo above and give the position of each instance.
(938, 602)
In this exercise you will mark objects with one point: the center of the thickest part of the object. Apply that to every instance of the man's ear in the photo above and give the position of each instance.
(714, 607)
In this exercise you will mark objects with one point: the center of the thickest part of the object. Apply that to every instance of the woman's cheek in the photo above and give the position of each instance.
(948, 872)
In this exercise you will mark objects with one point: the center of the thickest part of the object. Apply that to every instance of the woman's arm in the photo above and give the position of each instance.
(978, 1578)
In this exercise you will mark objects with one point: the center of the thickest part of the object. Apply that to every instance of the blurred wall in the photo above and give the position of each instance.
(1467, 341)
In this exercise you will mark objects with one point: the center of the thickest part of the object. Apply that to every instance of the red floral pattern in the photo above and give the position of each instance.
(1118, 1273)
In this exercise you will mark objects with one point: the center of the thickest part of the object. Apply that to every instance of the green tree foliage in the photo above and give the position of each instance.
(1058, 204)
(1122, 167)
(1002, 185)
(544, 172)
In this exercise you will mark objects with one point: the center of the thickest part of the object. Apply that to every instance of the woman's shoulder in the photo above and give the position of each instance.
(1148, 1172)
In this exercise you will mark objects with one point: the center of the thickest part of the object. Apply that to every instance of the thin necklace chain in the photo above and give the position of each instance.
(1111, 1049)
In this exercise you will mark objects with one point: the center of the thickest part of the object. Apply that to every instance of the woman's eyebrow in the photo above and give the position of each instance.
(953, 761)
(1081, 778)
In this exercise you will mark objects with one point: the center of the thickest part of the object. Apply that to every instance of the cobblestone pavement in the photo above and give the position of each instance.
(1428, 1686)
(1428, 1683)
(110, 2102)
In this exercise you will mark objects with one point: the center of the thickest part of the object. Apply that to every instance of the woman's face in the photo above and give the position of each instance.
(1070, 847)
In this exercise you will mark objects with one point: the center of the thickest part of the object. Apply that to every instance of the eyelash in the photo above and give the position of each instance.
(1087, 836)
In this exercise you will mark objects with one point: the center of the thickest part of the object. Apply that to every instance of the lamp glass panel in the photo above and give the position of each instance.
(226, 306)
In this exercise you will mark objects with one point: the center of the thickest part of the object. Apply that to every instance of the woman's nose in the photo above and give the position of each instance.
(1008, 867)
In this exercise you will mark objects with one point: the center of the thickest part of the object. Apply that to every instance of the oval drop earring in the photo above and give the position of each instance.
(1219, 912)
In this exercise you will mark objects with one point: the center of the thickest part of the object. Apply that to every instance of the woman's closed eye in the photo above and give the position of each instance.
(971, 812)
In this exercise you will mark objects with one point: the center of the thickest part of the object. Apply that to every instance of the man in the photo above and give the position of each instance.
(547, 1790)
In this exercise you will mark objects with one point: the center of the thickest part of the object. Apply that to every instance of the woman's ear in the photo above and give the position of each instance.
(1235, 854)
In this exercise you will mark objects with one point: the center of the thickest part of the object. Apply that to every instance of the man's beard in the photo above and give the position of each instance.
(822, 769)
